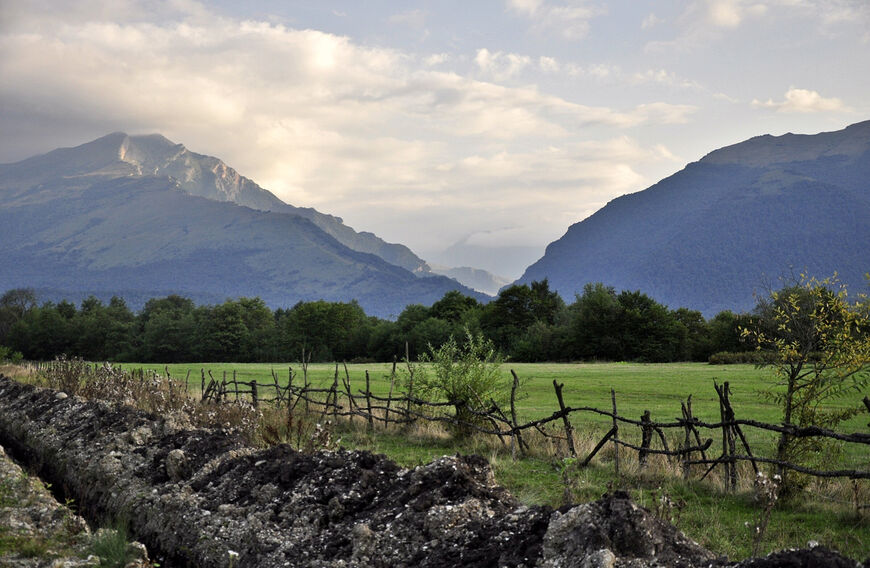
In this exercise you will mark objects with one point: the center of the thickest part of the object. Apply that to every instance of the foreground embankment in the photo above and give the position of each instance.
(203, 498)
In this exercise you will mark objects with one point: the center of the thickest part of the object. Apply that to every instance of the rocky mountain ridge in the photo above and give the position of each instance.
(118, 216)
(119, 155)
(729, 226)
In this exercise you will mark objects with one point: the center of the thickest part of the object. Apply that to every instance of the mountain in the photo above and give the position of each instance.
(141, 216)
(475, 278)
(729, 225)
(117, 155)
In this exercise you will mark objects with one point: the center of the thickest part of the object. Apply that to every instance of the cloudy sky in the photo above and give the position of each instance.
(475, 132)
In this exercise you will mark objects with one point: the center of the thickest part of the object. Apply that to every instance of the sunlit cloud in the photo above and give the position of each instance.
(395, 142)
(802, 101)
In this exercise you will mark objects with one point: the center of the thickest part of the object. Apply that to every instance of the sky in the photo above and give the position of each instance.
(474, 132)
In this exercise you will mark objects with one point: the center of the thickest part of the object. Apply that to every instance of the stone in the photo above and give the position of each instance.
(177, 467)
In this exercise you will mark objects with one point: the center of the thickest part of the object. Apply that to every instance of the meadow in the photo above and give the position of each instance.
(657, 387)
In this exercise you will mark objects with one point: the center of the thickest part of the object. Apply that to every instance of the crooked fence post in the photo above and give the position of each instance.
(254, 398)
(615, 434)
(369, 404)
(410, 382)
(732, 445)
(646, 438)
(569, 430)
(350, 401)
(687, 443)
(515, 433)
(390, 396)
(335, 395)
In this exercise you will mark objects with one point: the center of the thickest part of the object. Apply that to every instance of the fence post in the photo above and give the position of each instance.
(335, 395)
(369, 403)
(346, 381)
(410, 381)
(615, 434)
(732, 446)
(646, 437)
(569, 430)
(390, 396)
(515, 433)
(687, 443)
(254, 399)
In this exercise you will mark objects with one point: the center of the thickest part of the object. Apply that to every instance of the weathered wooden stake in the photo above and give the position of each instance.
(598, 446)
(615, 434)
(390, 396)
(350, 402)
(515, 433)
(687, 417)
(569, 430)
(410, 381)
(646, 437)
(369, 403)
(254, 398)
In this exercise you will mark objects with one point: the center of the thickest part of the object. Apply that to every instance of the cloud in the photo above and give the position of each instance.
(394, 142)
(570, 20)
(704, 22)
(664, 77)
(500, 65)
(802, 101)
(650, 21)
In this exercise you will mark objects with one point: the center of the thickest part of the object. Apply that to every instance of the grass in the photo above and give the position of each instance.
(658, 388)
(720, 521)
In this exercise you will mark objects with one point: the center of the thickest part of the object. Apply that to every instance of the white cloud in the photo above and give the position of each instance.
(436, 59)
(650, 21)
(663, 77)
(501, 66)
(394, 142)
(802, 101)
(729, 14)
(569, 19)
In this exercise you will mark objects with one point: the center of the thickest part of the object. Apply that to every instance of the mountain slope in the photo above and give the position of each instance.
(728, 225)
(118, 154)
(74, 222)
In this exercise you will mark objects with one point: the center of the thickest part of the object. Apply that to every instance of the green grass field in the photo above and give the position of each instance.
(658, 388)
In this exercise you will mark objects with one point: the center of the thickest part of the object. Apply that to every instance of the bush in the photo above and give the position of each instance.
(7, 355)
(467, 375)
(740, 358)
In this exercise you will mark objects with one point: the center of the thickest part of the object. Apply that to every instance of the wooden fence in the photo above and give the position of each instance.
(692, 448)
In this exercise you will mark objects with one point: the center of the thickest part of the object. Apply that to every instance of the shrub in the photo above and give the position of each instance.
(467, 375)
(740, 358)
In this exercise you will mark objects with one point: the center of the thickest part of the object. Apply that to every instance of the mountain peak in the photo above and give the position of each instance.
(851, 142)
(710, 235)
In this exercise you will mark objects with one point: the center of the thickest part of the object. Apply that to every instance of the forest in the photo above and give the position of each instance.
(526, 322)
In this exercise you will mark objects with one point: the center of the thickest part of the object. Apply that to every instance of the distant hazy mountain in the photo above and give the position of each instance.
(141, 215)
(118, 154)
(475, 278)
(720, 229)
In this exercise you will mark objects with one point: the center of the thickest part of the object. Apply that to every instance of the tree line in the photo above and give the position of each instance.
(525, 322)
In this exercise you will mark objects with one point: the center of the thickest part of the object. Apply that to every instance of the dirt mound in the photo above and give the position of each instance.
(202, 498)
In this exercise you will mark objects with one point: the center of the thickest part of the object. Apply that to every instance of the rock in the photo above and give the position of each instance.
(177, 468)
